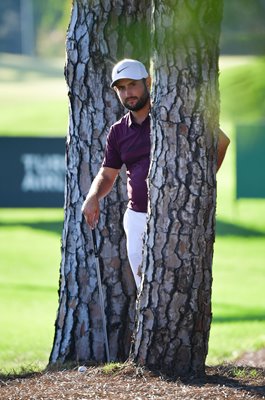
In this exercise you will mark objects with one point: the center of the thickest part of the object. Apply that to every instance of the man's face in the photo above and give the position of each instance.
(133, 94)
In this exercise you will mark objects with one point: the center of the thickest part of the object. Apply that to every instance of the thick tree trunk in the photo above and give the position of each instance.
(174, 309)
(99, 34)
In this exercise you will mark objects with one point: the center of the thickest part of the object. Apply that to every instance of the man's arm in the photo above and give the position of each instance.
(223, 143)
(101, 186)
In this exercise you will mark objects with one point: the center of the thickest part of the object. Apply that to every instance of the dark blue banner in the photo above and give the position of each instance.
(32, 172)
(250, 157)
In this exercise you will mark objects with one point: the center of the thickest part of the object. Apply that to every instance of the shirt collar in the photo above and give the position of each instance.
(131, 119)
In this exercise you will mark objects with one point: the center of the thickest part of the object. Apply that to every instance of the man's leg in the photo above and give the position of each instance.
(134, 226)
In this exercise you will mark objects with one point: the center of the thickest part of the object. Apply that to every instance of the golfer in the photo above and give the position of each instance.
(128, 142)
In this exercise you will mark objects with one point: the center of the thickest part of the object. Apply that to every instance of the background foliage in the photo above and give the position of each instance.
(50, 18)
(243, 28)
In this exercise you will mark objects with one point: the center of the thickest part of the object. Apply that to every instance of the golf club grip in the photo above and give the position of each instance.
(94, 237)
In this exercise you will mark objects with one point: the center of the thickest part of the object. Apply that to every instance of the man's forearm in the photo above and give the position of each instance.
(101, 186)
(103, 183)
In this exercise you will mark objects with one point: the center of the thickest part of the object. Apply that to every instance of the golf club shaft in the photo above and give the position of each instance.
(101, 298)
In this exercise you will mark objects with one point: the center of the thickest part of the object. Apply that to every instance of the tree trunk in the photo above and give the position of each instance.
(99, 35)
(174, 309)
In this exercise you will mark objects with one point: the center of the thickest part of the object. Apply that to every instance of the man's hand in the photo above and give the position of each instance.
(90, 209)
(101, 186)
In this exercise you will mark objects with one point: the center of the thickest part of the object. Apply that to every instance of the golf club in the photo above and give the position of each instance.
(101, 298)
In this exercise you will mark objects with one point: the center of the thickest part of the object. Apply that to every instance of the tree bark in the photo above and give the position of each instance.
(100, 33)
(174, 309)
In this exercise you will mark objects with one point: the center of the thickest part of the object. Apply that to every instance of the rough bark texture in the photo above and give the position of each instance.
(99, 34)
(174, 309)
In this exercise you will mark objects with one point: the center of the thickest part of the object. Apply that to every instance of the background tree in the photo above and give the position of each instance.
(99, 34)
(174, 310)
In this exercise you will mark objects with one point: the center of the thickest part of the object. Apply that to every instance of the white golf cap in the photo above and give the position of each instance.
(128, 69)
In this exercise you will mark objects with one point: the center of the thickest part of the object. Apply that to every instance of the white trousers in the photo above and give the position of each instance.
(134, 225)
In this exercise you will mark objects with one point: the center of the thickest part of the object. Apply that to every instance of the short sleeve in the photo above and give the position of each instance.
(112, 158)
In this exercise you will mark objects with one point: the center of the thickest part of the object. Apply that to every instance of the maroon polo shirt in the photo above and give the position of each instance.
(129, 143)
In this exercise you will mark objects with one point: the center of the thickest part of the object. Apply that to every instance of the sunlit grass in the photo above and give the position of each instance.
(238, 297)
(242, 89)
(33, 97)
(28, 314)
(33, 109)
(29, 281)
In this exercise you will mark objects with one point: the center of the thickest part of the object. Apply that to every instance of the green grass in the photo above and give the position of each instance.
(242, 87)
(238, 297)
(238, 268)
(29, 276)
(33, 97)
(33, 102)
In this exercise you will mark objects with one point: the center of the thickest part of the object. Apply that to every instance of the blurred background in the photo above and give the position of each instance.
(33, 126)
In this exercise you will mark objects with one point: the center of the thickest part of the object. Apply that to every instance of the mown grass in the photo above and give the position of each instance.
(238, 266)
(33, 97)
(242, 86)
(29, 280)
(30, 239)
(238, 297)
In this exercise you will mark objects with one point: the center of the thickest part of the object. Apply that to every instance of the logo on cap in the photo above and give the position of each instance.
(120, 70)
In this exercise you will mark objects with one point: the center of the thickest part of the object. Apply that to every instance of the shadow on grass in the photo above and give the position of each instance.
(230, 229)
(240, 318)
(26, 287)
(49, 226)
(235, 313)
(222, 228)
(14, 375)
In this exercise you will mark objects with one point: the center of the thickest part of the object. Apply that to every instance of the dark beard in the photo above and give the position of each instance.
(140, 103)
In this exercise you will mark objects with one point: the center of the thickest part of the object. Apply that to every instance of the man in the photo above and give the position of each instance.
(128, 143)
